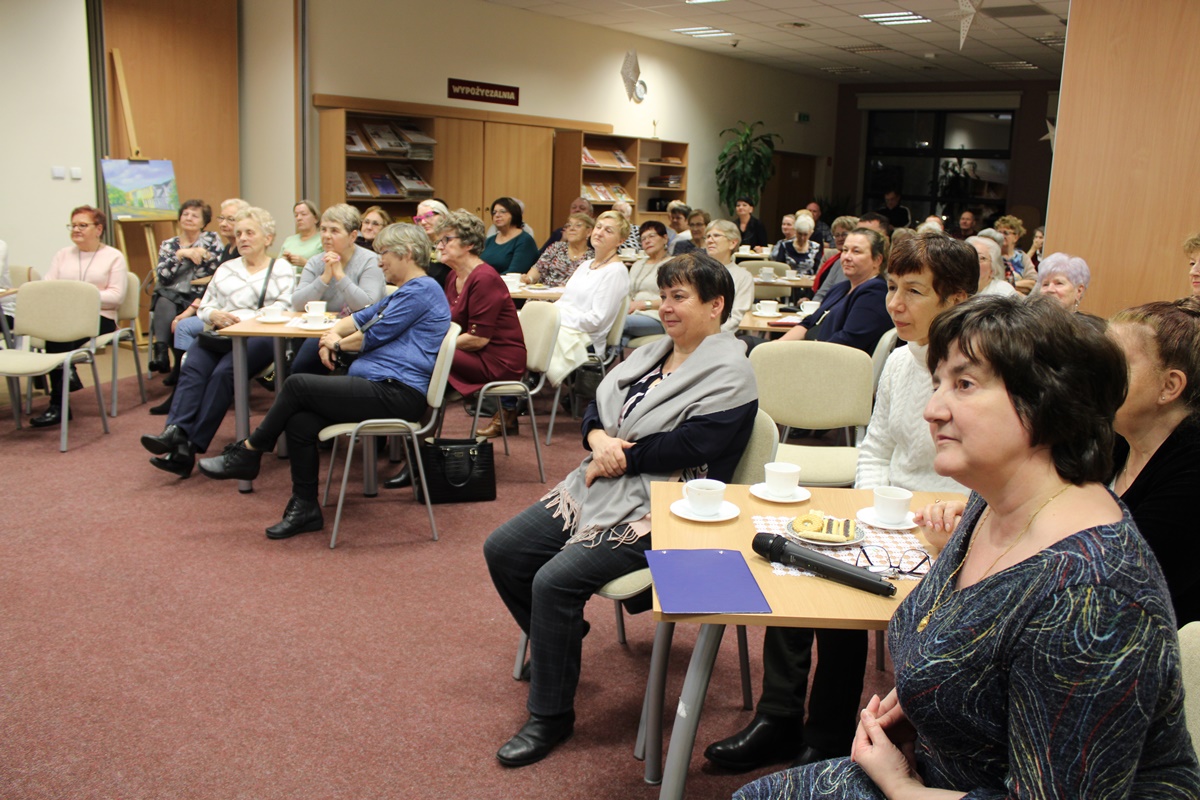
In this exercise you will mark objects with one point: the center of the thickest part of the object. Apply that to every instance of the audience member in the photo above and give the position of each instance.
(491, 231)
(205, 389)
(801, 252)
(721, 242)
(678, 234)
(997, 692)
(824, 284)
(633, 240)
(429, 216)
(822, 232)
(934, 219)
(642, 318)
(1012, 229)
(397, 342)
(305, 243)
(560, 259)
(698, 222)
(901, 234)
(830, 273)
(676, 409)
(510, 249)
(593, 299)
(1035, 249)
(991, 267)
(1191, 249)
(225, 221)
(753, 233)
(191, 256)
(1064, 277)
(854, 312)
(580, 205)
(898, 216)
(968, 224)
(346, 277)
(374, 219)
(89, 260)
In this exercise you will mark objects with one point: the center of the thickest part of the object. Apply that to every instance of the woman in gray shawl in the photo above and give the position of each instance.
(677, 409)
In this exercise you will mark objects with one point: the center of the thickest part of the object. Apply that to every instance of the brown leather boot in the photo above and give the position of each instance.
(504, 417)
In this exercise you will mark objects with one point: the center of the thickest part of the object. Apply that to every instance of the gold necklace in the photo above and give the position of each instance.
(937, 601)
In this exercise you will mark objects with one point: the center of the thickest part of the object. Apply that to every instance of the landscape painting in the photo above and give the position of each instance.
(140, 190)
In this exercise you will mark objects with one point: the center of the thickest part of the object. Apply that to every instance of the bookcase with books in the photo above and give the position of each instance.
(606, 168)
(368, 158)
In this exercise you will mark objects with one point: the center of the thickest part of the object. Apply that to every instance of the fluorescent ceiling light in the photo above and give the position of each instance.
(711, 35)
(895, 18)
(701, 33)
(701, 2)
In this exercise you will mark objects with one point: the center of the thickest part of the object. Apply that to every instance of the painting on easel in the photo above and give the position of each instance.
(140, 191)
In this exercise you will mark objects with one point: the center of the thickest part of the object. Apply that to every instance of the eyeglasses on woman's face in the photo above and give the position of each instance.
(445, 240)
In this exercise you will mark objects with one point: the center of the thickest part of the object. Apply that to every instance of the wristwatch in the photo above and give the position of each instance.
(337, 346)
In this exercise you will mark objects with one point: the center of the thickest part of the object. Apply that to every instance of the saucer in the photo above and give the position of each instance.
(859, 535)
(728, 511)
(759, 490)
(766, 315)
(266, 321)
(867, 517)
(320, 326)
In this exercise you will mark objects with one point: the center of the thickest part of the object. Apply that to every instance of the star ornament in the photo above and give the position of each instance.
(1049, 137)
(967, 9)
(635, 89)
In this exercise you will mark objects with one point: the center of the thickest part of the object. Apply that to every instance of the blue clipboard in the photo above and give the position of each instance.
(705, 582)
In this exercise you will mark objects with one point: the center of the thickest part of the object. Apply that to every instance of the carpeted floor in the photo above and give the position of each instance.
(154, 644)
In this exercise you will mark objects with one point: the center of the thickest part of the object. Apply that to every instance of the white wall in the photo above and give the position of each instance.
(564, 70)
(46, 96)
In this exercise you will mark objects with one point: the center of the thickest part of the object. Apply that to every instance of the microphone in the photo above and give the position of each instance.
(778, 549)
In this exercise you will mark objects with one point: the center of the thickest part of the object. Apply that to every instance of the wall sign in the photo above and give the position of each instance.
(483, 92)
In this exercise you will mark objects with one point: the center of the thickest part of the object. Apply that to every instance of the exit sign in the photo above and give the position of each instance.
(802, 117)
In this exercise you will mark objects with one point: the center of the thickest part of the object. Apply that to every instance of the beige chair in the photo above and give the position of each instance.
(19, 275)
(642, 341)
(1189, 652)
(883, 349)
(612, 352)
(412, 431)
(127, 311)
(539, 326)
(815, 385)
(57, 311)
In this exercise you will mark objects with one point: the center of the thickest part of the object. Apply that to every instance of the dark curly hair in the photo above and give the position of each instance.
(1065, 378)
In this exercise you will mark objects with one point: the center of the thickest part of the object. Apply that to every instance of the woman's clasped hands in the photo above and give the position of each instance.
(608, 456)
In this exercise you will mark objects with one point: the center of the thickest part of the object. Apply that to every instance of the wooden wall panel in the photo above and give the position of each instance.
(181, 73)
(1123, 185)
(518, 162)
(457, 175)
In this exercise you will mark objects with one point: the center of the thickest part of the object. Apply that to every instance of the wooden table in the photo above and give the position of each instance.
(738, 255)
(525, 293)
(799, 282)
(753, 323)
(280, 332)
(798, 602)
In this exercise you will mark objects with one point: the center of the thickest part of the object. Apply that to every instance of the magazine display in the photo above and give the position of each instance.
(384, 138)
(355, 187)
(409, 181)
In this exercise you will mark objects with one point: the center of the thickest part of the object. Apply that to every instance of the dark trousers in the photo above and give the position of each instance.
(837, 682)
(308, 360)
(205, 389)
(308, 403)
(106, 326)
(545, 588)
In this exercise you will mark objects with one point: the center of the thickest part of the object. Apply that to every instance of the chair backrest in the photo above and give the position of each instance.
(20, 274)
(436, 392)
(828, 253)
(1189, 651)
(887, 343)
(617, 330)
(539, 325)
(814, 385)
(760, 450)
(58, 311)
(129, 303)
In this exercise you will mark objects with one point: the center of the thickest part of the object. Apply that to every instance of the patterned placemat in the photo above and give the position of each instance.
(895, 542)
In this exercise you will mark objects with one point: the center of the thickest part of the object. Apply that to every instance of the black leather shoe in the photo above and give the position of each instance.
(300, 516)
(766, 740)
(811, 755)
(163, 408)
(236, 462)
(159, 362)
(536, 739)
(171, 438)
(400, 479)
(177, 462)
(50, 417)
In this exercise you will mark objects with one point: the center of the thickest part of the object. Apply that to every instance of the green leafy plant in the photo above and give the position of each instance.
(745, 164)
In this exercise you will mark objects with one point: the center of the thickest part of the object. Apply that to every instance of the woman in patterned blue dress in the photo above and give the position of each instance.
(1039, 656)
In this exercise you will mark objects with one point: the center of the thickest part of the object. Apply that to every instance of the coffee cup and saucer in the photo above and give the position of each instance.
(704, 501)
(781, 484)
(890, 511)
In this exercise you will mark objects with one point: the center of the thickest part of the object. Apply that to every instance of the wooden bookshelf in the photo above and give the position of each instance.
(601, 178)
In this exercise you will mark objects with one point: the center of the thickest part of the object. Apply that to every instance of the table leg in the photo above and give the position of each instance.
(280, 376)
(649, 743)
(8, 337)
(241, 398)
(687, 715)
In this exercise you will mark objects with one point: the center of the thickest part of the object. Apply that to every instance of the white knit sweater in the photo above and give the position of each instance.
(898, 449)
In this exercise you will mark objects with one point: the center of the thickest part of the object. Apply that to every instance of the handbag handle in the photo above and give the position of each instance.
(457, 457)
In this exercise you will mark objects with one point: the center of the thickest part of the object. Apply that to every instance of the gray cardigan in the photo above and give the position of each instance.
(362, 286)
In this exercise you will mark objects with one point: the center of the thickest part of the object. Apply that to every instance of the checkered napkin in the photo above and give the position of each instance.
(895, 542)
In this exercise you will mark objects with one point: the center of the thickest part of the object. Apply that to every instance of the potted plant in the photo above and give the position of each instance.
(745, 164)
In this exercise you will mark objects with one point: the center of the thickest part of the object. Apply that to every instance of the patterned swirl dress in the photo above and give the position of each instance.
(1057, 677)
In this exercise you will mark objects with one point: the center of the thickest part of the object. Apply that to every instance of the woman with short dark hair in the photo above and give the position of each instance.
(510, 249)
(1039, 654)
(191, 256)
(642, 317)
(753, 232)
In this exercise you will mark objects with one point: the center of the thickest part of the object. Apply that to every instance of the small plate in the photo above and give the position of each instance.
(765, 315)
(759, 490)
(728, 511)
(321, 326)
(867, 517)
(266, 321)
(859, 535)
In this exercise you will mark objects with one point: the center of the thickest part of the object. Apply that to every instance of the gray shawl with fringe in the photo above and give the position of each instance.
(716, 377)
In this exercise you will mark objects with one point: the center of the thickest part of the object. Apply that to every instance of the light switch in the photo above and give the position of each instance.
(76, 174)
(58, 173)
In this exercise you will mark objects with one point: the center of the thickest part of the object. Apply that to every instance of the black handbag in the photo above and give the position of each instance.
(214, 342)
(457, 471)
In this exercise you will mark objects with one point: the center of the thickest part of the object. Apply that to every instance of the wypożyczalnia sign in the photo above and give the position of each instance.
(458, 89)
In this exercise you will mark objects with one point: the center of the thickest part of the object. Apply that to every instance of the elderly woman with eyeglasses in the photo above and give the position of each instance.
(374, 219)
(1063, 277)
(429, 216)
(559, 260)
(1012, 229)
(991, 267)
(185, 262)
(721, 240)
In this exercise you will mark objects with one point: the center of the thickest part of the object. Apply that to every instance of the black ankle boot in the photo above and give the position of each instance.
(164, 407)
(173, 378)
(536, 739)
(300, 516)
(158, 361)
(400, 479)
(236, 462)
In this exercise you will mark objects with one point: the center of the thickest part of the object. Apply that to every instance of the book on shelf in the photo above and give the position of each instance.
(383, 184)
(355, 186)
(589, 160)
(666, 181)
(384, 138)
(412, 134)
(410, 182)
(622, 161)
(355, 142)
(586, 192)
(601, 192)
(667, 160)
(618, 192)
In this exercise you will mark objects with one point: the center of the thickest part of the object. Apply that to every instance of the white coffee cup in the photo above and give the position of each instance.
(766, 273)
(271, 314)
(704, 496)
(891, 504)
(790, 274)
(314, 307)
(626, 252)
(809, 306)
(313, 320)
(744, 248)
(768, 307)
(782, 478)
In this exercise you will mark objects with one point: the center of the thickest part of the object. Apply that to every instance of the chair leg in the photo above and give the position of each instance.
(137, 365)
(519, 664)
(99, 394)
(537, 446)
(14, 392)
(65, 410)
(116, 347)
(329, 473)
(337, 518)
(415, 454)
(553, 413)
(620, 622)
(744, 663)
